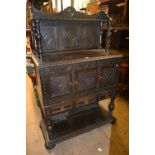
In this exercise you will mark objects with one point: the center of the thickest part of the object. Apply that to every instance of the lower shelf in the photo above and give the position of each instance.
(76, 124)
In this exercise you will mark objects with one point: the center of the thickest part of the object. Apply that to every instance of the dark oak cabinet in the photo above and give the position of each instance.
(73, 72)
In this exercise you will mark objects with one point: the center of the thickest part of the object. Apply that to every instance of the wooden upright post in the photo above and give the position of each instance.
(125, 9)
(56, 6)
(72, 3)
(61, 5)
(50, 6)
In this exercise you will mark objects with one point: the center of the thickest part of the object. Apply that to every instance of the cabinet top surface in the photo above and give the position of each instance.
(77, 57)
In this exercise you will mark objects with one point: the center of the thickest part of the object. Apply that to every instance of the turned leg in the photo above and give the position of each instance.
(46, 126)
(49, 147)
(111, 108)
(49, 126)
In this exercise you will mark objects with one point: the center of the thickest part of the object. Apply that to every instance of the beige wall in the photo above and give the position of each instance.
(78, 4)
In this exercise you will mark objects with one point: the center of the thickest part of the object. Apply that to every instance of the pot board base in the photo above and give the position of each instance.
(75, 125)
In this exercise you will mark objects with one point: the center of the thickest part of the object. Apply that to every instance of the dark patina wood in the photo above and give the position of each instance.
(73, 72)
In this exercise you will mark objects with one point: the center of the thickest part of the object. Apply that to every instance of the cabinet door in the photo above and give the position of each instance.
(86, 79)
(58, 84)
(108, 76)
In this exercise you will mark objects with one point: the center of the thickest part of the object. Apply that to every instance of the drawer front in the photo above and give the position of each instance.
(70, 105)
(58, 108)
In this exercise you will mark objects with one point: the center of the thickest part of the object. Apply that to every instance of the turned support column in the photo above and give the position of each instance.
(108, 36)
(111, 108)
(101, 36)
(38, 39)
(49, 126)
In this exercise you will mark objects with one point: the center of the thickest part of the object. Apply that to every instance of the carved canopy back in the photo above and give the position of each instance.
(65, 31)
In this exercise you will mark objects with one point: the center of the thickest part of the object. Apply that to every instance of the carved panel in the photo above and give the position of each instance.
(59, 84)
(49, 38)
(67, 30)
(88, 35)
(70, 37)
(92, 37)
(108, 76)
(86, 79)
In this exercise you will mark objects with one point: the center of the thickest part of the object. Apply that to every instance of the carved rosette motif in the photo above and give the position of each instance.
(70, 39)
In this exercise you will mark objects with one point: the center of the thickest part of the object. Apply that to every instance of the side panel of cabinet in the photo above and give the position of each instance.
(39, 86)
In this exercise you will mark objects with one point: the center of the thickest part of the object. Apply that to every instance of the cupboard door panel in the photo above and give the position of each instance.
(86, 79)
(58, 84)
(108, 76)
(49, 38)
